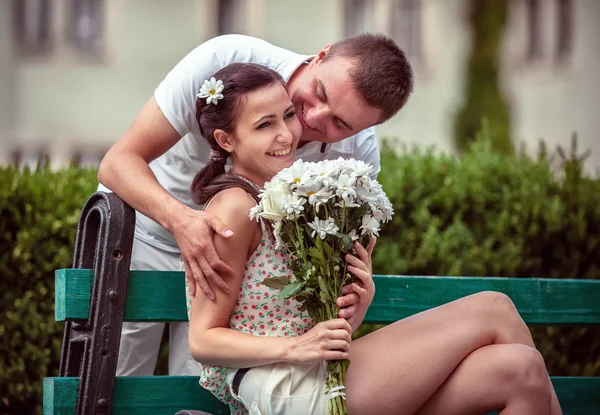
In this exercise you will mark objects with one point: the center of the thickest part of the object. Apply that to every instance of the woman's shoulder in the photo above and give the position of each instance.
(232, 206)
(233, 202)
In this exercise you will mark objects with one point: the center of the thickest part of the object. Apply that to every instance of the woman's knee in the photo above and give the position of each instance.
(523, 368)
(495, 303)
(497, 309)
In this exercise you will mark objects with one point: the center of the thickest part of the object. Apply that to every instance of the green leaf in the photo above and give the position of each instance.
(325, 291)
(324, 247)
(346, 240)
(290, 290)
(317, 257)
(276, 282)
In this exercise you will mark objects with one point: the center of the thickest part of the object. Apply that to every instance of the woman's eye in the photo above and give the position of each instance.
(290, 114)
(264, 125)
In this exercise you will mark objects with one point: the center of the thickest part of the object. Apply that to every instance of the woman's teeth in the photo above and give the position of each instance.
(283, 152)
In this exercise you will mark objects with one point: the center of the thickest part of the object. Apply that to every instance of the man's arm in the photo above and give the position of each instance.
(126, 172)
(168, 116)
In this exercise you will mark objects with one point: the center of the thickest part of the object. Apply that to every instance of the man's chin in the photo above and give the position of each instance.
(309, 136)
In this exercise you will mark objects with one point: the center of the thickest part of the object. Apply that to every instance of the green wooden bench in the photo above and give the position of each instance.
(87, 382)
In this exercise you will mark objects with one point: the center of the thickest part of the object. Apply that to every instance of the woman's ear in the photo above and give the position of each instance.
(224, 140)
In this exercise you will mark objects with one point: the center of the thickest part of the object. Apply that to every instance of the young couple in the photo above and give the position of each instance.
(433, 362)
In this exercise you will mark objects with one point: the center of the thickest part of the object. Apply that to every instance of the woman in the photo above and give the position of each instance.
(469, 356)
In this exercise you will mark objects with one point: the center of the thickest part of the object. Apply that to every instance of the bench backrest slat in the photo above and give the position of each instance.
(136, 395)
(159, 296)
(168, 394)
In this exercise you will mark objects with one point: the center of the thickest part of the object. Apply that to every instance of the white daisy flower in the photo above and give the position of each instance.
(358, 168)
(379, 215)
(293, 205)
(364, 194)
(348, 202)
(345, 187)
(369, 225)
(296, 174)
(353, 235)
(325, 172)
(323, 227)
(315, 193)
(255, 212)
(211, 90)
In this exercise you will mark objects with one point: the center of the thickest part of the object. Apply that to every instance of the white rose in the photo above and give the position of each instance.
(272, 205)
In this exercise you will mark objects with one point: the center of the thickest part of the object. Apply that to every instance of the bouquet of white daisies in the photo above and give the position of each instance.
(317, 211)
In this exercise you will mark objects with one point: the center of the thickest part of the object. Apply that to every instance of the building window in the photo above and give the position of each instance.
(406, 26)
(32, 26)
(358, 16)
(564, 32)
(79, 30)
(534, 40)
(231, 17)
(85, 26)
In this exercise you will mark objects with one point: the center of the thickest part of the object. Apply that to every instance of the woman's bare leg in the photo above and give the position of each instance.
(506, 377)
(398, 368)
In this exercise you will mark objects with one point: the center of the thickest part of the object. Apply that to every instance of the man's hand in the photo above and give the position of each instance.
(358, 295)
(202, 264)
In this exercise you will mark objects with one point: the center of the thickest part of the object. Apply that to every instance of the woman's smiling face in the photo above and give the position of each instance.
(266, 134)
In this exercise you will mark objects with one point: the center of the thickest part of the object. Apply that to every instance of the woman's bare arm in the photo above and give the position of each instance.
(210, 340)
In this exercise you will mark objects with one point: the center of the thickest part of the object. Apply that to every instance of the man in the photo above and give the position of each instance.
(339, 95)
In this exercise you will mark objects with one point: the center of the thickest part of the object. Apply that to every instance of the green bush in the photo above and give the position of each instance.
(482, 214)
(493, 214)
(38, 219)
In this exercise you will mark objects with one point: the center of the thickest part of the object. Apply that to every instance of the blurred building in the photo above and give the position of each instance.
(74, 73)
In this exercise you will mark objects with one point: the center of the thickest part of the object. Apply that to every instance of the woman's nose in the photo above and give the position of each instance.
(285, 135)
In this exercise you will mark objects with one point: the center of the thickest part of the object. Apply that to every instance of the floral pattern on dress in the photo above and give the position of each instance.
(257, 311)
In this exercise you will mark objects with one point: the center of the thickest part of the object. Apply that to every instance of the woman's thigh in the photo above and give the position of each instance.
(403, 364)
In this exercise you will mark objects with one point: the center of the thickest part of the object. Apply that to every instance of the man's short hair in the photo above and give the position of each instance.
(381, 72)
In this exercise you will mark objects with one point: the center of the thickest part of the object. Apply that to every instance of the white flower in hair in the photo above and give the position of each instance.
(211, 90)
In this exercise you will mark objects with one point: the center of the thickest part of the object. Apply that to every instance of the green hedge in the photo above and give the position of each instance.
(38, 219)
(492, 214)
(482, 214)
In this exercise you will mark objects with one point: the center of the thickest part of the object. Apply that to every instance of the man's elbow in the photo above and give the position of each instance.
(104, 169)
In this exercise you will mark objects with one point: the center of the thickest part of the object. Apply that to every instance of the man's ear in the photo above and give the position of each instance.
(321, 55)
(224, 140)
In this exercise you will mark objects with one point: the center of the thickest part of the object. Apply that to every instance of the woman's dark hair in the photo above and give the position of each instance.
(238, 80)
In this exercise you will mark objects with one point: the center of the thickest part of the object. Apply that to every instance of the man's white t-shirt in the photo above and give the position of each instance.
(176, 97)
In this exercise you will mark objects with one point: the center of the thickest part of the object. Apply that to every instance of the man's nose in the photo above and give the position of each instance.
(318, 113)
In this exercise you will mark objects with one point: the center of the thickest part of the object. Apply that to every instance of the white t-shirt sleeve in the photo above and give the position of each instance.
(176, 94)
(367, 150)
